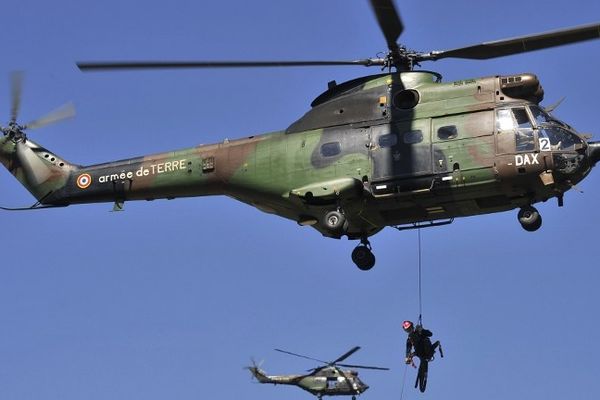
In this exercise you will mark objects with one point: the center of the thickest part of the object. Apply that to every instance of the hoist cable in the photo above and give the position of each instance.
(420, 286)
(420, 321)
(403, 381)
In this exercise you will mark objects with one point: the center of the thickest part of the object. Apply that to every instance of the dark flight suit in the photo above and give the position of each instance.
(419, 340)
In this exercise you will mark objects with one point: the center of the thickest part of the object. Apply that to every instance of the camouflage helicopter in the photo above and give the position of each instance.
(326, 380)
(399, 148)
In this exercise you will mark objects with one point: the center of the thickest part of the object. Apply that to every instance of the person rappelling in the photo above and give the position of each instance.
(418, 343)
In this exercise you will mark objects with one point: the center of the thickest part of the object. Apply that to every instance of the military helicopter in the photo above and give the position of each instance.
(326, 380)
(399, 148)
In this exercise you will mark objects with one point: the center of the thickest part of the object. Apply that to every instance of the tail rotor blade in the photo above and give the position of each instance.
(35, 169)
(16, 84)
(64, 112)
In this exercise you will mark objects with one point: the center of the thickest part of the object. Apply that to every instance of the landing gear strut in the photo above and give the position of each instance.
(362, 255)
(530, 218)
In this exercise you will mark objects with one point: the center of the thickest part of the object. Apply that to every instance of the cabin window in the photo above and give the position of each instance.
(331, 149)
(447, 132)
(388, 140)
(412, 137)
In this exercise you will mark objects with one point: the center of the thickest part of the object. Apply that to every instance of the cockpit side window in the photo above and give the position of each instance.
(524, 140)
(516, 120)
(504, 120)
(522, 118)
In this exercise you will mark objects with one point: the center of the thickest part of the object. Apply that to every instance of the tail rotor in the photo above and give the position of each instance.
(16, 85)
(257, 373)
(35, 170)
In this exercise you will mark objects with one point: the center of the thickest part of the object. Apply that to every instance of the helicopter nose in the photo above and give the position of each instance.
(593, 152)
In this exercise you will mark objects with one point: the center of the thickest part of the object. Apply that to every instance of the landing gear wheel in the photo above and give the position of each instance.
(530, 219)
(363, 257)
(334, 221)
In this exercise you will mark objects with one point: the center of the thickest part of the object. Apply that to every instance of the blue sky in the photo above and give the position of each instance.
(170, 299)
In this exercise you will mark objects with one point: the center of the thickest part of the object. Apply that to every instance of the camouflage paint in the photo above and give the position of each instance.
(290, 173)
(316, 383)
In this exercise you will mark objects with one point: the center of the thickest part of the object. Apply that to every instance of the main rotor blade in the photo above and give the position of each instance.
(363, 367)
(345, 355)
(301, 356)
(63, 112)
(522, 44)
(16, 85)
(389, 21)
(125, 65)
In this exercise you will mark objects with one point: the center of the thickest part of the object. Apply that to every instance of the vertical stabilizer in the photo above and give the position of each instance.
(39, 170)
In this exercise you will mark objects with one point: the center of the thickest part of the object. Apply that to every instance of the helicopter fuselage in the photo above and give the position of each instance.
(381, 150)
(330, 381)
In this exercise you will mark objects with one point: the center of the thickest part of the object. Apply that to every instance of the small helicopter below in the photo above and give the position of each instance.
(396, 149)
(326, 380)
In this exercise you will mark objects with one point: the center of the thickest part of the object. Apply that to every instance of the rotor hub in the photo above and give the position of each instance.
(15, 132)
(402, 59)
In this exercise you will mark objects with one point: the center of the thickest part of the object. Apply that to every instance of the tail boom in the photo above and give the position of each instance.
(199, 171)
(262, 377)
(42, 172)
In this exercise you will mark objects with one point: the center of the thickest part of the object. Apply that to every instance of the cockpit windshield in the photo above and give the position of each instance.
(557, 132)
(560, 138)
(542, 117)
(552, 135)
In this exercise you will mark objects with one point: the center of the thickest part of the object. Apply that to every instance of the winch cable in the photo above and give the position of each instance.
(420, 285)
(403, 381)
(420, 320)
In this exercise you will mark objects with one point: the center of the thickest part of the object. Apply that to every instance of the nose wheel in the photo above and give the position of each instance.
(362, 256)
(530, 218)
